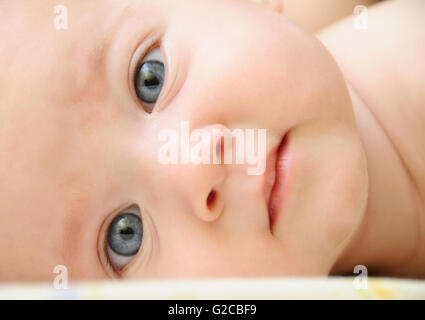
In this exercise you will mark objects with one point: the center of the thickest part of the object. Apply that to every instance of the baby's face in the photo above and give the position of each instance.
(81, 111)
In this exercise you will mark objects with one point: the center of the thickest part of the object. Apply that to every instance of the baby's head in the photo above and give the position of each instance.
(81, 110)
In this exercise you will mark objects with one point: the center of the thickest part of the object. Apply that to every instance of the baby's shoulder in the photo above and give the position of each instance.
(384, 63)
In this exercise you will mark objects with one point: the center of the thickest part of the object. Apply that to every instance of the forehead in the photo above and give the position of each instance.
(42, 72)
(37, 25)
(50, 66)
(45, 71)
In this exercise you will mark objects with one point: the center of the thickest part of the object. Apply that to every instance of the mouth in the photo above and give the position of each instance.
(275, 200)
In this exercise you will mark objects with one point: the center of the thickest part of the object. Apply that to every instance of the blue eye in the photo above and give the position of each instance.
(149, 79)
(124, 239)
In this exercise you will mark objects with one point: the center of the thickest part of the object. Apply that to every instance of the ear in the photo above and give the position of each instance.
(276, 5)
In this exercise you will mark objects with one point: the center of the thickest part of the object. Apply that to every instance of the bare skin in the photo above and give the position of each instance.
(392, 135)
(393, 139)
(383, 66)
(316, 15)
(78, 148)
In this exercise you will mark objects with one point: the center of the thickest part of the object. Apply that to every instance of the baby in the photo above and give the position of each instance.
(88, 86)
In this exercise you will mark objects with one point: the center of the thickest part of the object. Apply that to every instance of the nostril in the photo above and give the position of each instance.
(211, 199)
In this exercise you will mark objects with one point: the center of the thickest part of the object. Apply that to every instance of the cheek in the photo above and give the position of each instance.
(327, 194)
(353, 200)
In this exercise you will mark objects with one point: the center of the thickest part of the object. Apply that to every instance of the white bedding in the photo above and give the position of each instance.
(264, 288)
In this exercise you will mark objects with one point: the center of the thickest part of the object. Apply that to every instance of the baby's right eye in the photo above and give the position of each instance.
(124, 239)
(149, 79)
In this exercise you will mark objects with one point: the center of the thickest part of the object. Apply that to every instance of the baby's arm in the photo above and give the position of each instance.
(315, 15)
(384, 64)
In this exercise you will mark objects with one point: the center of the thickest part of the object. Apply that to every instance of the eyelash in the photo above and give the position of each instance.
(138, 58)
(147, 248)
(110, 270)
(108, 265)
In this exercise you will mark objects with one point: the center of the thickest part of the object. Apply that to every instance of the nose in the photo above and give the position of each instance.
(211, 176)
(199, 175)
(227, 89)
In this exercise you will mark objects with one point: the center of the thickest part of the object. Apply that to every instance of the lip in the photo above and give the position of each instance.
(277, 192)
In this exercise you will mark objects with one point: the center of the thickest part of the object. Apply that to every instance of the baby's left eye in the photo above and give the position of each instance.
(149, 79)
(124, 239)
